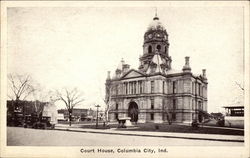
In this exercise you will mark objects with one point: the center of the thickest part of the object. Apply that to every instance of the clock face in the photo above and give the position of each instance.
(150, 36)
(158, 35)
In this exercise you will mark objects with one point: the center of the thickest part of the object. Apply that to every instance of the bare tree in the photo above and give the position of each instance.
(167, 112)
(71, 98)
(239, 85)
(42, 97)
(20, 86)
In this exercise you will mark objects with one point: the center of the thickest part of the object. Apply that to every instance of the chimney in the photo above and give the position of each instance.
(204, 74)
(122, 61)
(186, 67)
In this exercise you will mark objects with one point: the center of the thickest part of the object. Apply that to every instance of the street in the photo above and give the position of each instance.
(18, 136)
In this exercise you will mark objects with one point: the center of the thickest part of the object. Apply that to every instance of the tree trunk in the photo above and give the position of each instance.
(70, 117)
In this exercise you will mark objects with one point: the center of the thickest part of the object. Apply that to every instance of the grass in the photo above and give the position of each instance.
(164, 127)
(186, 129)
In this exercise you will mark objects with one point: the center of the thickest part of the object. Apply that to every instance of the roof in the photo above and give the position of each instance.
(139, 72)
(156, 25)
(158, 61)
(173, 71)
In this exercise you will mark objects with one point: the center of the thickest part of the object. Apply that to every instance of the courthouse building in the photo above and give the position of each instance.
(155, 92)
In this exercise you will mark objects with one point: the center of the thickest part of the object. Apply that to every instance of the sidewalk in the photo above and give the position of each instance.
(231, 128)
(210, 137)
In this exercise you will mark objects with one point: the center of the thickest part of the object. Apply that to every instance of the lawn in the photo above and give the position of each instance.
(164, 127)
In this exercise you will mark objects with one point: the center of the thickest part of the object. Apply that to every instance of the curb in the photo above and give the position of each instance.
(145, 135)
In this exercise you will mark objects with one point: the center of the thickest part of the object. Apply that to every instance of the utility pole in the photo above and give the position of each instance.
(97, 106)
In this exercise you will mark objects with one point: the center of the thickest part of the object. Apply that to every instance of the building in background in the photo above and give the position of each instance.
(155, 92)
(234, 116)
(77, 114)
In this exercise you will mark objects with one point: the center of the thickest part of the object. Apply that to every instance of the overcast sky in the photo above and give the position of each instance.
(75, 47)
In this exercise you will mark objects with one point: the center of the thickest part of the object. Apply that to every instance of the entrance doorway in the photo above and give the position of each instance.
(133, 111)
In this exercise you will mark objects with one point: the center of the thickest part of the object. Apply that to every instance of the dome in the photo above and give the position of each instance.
(156, 25)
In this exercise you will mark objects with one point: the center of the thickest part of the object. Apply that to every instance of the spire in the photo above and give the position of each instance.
(156, 17)
(204, 74)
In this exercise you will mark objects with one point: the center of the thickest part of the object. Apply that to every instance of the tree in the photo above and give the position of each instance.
(167, 111)
(169, 118)
(42, 98)
(19, 86)
(107, 99)
(71, 98)
(239, 85)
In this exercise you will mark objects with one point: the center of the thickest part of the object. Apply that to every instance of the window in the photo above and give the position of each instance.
(126, 88)
(116, 106)
(134, 87)
(174, 87)
(152, 116)
(192, 87)
(174, 104)
(140, 85)
(199, 89)
(163, 87)
(200, 105)
(130, 88)
(116, 116)
(158, 47)
(149, 49)
(152, 86)
(173, 116)
(152, 103)
(165, 49)
(116, 89)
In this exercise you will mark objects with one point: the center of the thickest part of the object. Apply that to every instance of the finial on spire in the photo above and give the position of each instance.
(156, 17)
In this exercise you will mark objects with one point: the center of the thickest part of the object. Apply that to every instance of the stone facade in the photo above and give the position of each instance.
(156, 92)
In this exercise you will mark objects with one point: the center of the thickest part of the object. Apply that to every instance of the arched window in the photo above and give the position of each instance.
(149, 49)
(158, 47)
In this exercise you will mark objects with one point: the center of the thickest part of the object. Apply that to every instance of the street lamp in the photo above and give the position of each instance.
(97, 106)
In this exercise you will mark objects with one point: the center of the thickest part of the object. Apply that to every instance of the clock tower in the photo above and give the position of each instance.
(155, 42)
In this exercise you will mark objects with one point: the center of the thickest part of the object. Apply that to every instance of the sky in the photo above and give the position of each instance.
(76, 46)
